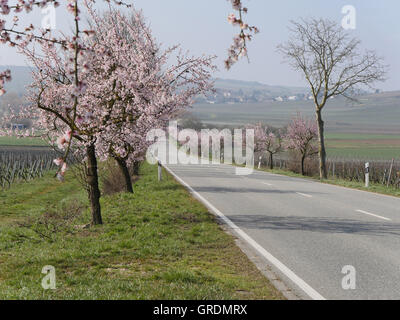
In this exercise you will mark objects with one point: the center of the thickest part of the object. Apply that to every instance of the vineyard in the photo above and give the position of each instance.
(381, 171)
(24, 164)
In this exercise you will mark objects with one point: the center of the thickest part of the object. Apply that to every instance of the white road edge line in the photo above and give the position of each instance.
(266, 183)
(313, 294)
(374, 215)
(304, 195)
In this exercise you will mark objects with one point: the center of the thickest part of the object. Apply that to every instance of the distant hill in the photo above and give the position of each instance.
(238, 91)
(22, 78)
(385, 94)
(253, 85)
(377, 113)
(228, 91)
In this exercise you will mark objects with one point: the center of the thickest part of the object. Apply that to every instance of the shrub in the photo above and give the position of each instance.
(112, 179)
(56, 221)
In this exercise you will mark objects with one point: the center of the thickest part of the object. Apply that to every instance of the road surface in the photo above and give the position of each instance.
(312, 230)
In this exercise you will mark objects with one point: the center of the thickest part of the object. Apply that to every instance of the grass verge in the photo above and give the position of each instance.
(159, 243)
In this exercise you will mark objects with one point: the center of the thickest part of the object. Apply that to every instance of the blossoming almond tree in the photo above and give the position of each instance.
(128, 88)
(148, 86)
(65, 118)
(69, 81)
(302, 137)
(267, 142)
(13, 34)
(61, 84)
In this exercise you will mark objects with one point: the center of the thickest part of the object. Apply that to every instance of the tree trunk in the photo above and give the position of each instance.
(125, 172)
(93, 184)
(321, 151)
(136, 167)
(303, 158)
(271, 161)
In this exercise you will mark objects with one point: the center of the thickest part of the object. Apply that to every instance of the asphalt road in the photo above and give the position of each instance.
(313, 229)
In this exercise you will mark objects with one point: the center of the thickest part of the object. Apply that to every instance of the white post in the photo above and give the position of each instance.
(159, 171)
(390, 173)
(259, 162)
(367, 175)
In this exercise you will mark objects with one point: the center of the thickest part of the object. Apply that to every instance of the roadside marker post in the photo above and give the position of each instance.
(159, 171)
(367, 175)
(259, 162)
(390, 173)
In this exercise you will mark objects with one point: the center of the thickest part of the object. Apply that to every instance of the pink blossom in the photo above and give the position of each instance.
(302, 137)
(239, 47)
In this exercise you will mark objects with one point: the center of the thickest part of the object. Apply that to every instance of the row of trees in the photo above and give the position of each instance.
(99, 96)
(300, 137)
(99, 90)
(332, 64)
(101, 87)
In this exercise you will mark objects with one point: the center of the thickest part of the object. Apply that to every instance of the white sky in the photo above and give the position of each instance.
(201, 27)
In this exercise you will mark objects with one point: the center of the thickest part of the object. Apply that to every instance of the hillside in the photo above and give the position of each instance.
(237, 91)
(375, 113)
(247, 86)
(227, 90)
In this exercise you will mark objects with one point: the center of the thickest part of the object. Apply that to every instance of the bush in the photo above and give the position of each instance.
(56, 221)
(112, 179)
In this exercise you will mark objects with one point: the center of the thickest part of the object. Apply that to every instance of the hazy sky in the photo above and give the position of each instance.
(201, 27)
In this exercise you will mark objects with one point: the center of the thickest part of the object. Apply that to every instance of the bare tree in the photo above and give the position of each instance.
(332, 64)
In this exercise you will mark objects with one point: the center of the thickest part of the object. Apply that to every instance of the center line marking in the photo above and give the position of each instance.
(304, 195)
(374, 215)
(266, 183)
